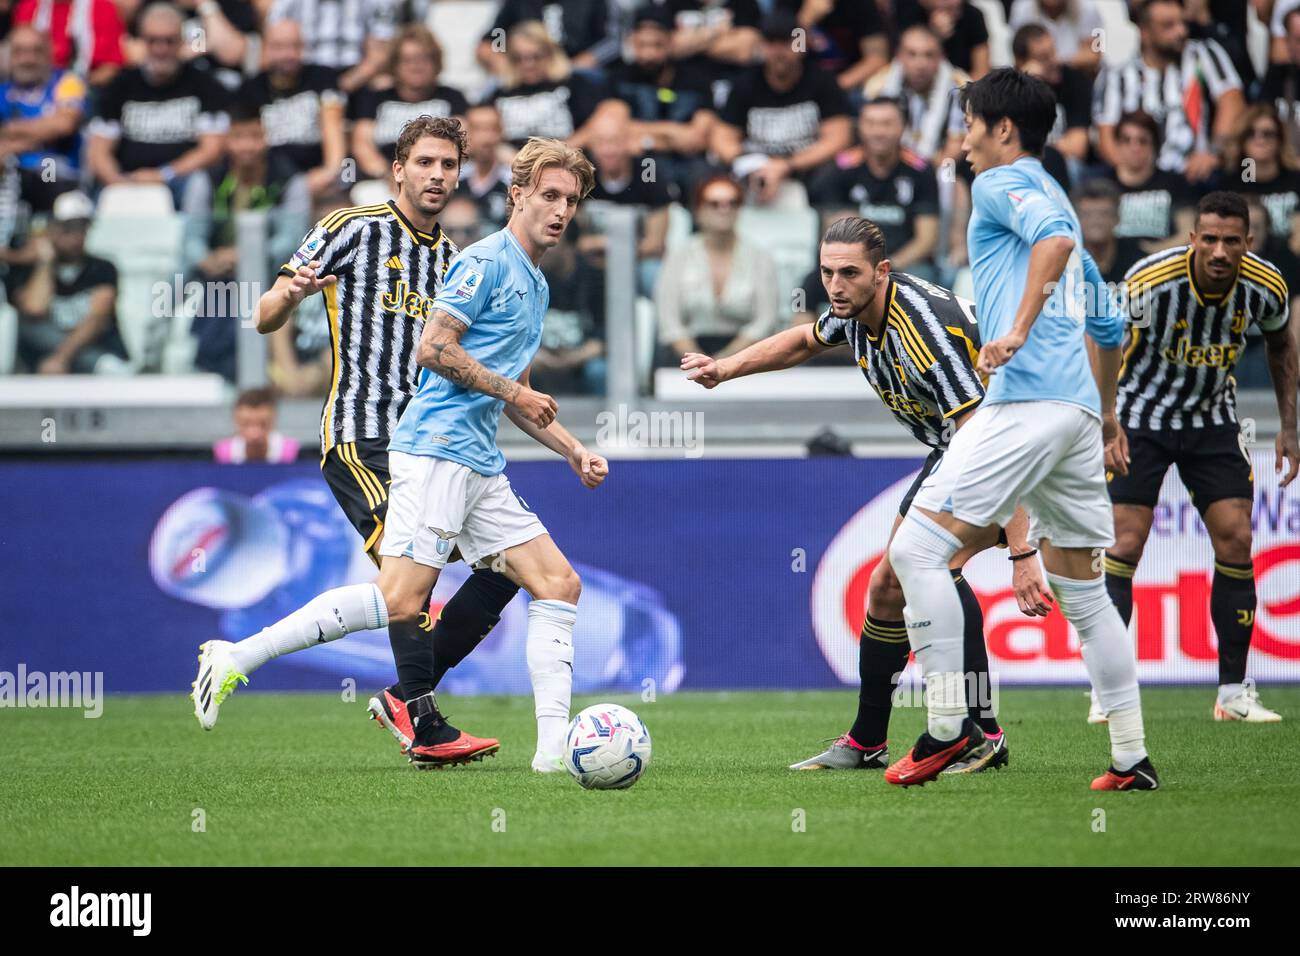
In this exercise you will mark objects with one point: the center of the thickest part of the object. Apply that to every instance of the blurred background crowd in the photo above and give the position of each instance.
(133, 134)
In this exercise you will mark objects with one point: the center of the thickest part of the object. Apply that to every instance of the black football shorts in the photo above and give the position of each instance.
(357, 473)
(1213, 464)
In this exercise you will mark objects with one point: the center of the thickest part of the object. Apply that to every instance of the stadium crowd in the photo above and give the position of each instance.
(736, 128)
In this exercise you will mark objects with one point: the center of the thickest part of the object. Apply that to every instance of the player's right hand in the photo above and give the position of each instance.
(702, 369)
(536, 406)
(1115, 442)
(306, 282)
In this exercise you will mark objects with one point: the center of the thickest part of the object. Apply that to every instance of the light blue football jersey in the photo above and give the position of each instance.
(1013, 207)
(494, 288)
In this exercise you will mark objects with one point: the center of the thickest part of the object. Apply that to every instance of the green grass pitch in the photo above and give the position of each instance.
(304, 779)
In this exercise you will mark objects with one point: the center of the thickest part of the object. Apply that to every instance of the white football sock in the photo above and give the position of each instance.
(1108, 654)
(327, 617)
(920, 554)
(550, 667)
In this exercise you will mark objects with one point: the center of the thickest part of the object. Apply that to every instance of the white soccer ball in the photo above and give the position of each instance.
(607, 748)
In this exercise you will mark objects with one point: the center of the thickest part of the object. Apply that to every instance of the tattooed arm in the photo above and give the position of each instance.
(440, 352)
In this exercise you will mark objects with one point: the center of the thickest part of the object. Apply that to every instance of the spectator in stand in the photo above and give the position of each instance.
(216, 35)
(959, 26)
(571, 358)
(581, 28)
(1282, 82)
(67, 308)
(85, 37)
(1263, 242)
(927, 83)
(162, 121)
(1034, 51)
(1189, 87)
(1279, 30)
(349, 36)
(625, 179)
(485, 175)
(1154, 204)
(301, 108)
(717, 293)
(40, 115)
(1096, 203)
(892, 186)
(248, 179)
(1259, 162)
(541, 95)
(670, 101)
(1227, 23)
(379, 115)
(1075, 26)
(782, 119)
(725, 32)
(846, 38)
(462, 223)
(255, 438)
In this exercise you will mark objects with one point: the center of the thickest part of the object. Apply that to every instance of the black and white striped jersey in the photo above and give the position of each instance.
(1180, 97)
(1181, 344)
(388, 276)
(922, 364)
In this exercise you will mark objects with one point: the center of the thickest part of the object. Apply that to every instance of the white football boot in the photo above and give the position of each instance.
(1243, 704)
(217, 680)
(545, 764)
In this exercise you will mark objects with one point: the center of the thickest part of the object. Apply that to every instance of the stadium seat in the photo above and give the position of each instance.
(458, 25)
(995, 19)
(370, 192)
(8, 338)
(135, 200)
(1121, 34)
(789, 236)
(142, 237)
(680, 224)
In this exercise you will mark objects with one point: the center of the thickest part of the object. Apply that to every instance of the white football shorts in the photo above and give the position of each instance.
(435, 505)
(1047, 456)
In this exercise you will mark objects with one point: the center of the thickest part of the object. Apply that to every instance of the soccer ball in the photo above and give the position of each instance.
(607, 748)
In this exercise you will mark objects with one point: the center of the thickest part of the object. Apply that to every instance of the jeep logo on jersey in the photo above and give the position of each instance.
(402, 299)
(1174, 636)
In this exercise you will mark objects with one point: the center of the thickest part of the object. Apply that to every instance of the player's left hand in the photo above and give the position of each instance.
(998, 352)
(1288, 450)
(1116, 445)
(1032, 593)
(592, 469)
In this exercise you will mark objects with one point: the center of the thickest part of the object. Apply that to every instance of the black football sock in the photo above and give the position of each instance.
(469, 617)
(979, 690)
(429, 725)
(1232, 609)
(882, 655)
(1119, 585)
(413, 655)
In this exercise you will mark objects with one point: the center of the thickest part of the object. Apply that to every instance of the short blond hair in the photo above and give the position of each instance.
(539, 155)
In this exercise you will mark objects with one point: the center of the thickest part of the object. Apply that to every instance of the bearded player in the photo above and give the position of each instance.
(1190, 308)
(916, 345)
(378, 268)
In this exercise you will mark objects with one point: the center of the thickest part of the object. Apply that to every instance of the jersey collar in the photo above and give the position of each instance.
(418, 237)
